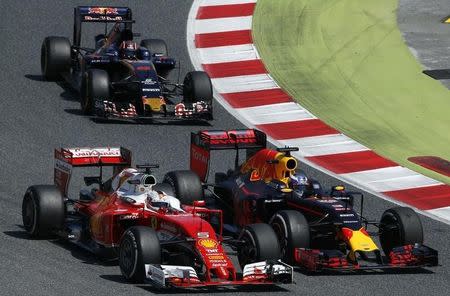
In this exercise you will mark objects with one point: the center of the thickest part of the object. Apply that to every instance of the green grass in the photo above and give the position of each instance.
(347, 63)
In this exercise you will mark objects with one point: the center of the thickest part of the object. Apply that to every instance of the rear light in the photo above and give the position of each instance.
(348, 233)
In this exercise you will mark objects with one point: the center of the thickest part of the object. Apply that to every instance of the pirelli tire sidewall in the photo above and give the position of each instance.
(399, 226)
(95, 85)
(259, 244)
(186, 185)
(139, 245)
(55, 57)
(43, 210)
(292, 230)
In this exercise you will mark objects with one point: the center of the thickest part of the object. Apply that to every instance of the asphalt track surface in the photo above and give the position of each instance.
(38, 116)
(425, 34)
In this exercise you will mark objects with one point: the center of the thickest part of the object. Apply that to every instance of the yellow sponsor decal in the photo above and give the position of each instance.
(216, 257)
(447, 20)
(154, 103)
(208, 243)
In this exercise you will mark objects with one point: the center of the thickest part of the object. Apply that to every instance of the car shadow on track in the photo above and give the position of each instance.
(77, 252)
(419, 270)
(69, 94)
(97, 120)
(35, 77)
(226, 289)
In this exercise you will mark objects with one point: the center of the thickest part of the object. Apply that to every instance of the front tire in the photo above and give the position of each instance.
(55, 57)
(94, 86)
(399, 226)
(186, 186)
(43, 210)
(260, 243)
(139, 246)
(292, 230)
(197, 87)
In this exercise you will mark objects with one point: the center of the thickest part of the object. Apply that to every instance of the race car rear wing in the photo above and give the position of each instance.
(203, 142)
(103, 14)
(67, 158)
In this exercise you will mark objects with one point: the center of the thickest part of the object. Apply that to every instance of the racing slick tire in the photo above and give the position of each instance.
(139, 245)
(43, 210)
(55, 57)
(292, 230)
(155, 46)
(94, 86)
(399, 226)
(186, 186)
(164, 187)
(197, 87)
(259, 243)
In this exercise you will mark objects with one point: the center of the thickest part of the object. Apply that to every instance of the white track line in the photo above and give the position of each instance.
(244, 83)
(225, 2)
(324, 145)
(275, 113)
(225, 24)
(223, 54)
(391, 178)
(443, 213)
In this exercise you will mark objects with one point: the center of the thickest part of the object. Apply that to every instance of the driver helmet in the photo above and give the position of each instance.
(298, 181)
(128, 50)
(156, 198)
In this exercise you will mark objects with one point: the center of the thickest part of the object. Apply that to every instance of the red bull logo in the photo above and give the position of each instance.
(103, 10)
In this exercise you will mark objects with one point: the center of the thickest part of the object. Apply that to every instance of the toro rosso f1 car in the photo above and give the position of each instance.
(316, 231)
(119, 79)
(156, 238)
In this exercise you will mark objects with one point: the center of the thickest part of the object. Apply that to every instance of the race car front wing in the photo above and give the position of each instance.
(409, 256)
(127, 111)
(259, 273)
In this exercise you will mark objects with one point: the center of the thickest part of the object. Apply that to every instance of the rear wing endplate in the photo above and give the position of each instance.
(203, 142)
(67, 158)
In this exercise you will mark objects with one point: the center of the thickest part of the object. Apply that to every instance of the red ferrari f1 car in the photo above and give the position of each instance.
(140, 221)
(316, 230)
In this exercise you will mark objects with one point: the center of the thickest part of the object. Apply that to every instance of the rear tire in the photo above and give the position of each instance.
(197, 87)
(399, 226)
(55, 57)
(186, 186)
(94, 86)
(164, 187)
(139, 245)
(43, 210)
(260, 243)
(292, 230)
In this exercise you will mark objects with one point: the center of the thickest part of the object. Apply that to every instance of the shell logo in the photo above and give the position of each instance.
(208, 243)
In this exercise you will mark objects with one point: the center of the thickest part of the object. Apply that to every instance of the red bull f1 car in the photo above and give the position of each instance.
(156, 238)
(118, 79)
(317, 231)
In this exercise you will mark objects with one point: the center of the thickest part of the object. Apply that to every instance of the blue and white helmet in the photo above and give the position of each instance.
(298, 179)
